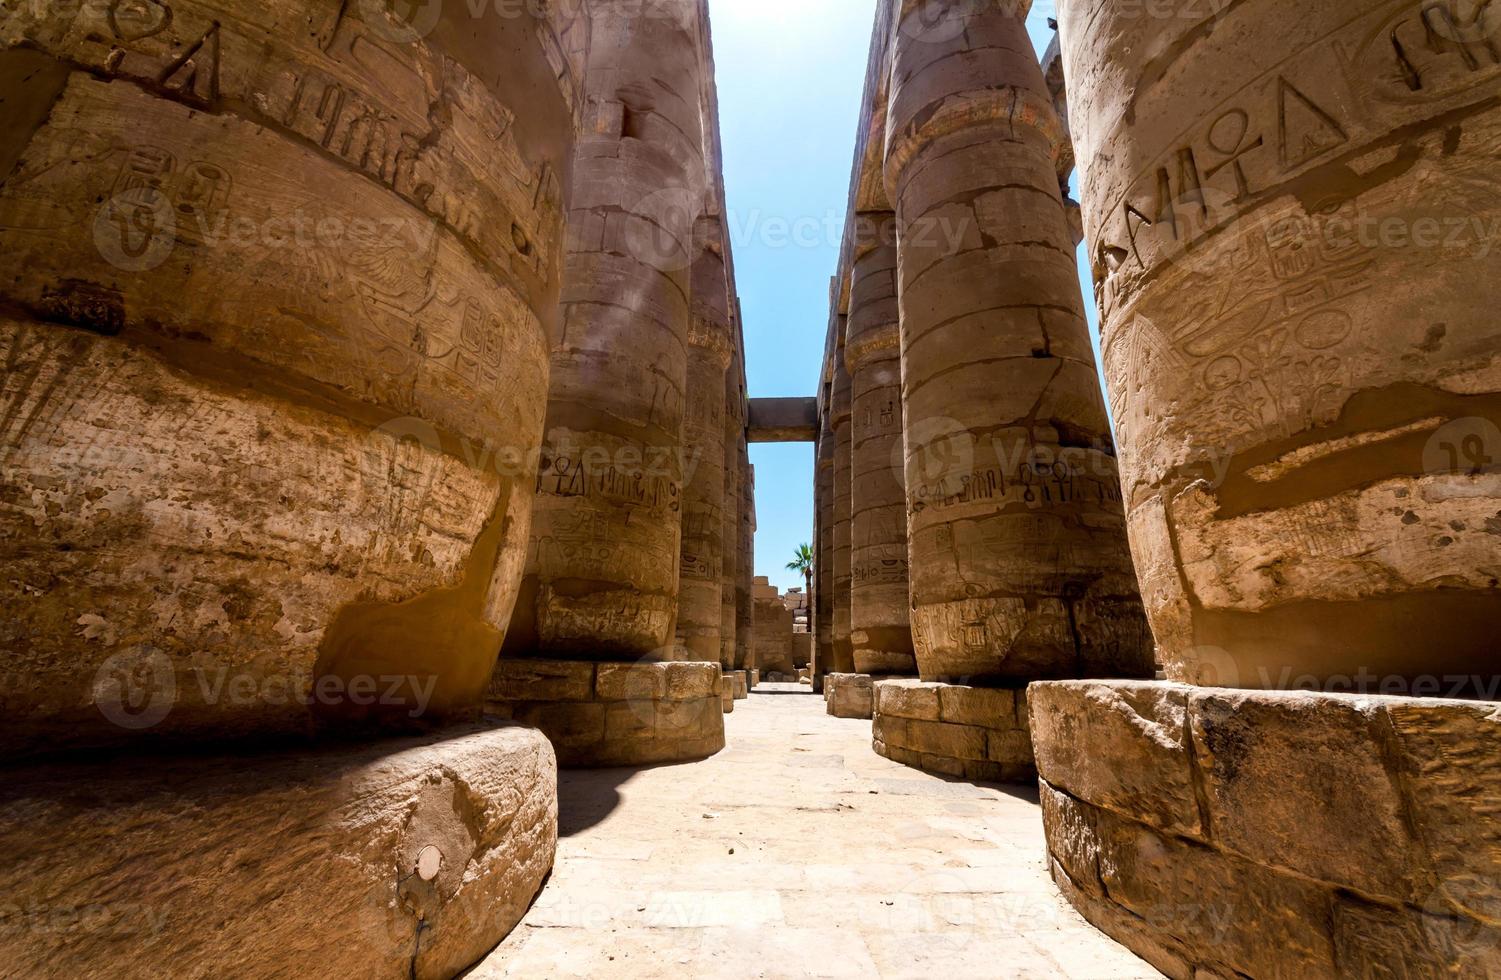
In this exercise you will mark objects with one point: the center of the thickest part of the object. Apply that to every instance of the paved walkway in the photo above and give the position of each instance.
(797, 851)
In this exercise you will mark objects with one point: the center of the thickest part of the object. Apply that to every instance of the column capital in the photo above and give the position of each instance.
(1014, 107)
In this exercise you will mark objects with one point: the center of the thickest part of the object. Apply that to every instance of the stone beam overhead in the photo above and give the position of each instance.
(783, 420)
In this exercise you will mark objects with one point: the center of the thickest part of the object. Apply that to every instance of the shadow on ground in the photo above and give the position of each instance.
(587, 796)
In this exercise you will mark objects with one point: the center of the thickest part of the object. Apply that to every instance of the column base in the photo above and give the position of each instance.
(613, 714)
(849, 695)
(741, 680)
(1190, 824)
(755, 679)
(976, 733)
(727, 693)
(399, 858)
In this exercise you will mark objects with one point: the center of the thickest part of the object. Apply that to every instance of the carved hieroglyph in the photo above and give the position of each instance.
(1020, 567)
(841, 408)
(602, 577)
(1294, 234)
(880, 624)
(710, 346)
(279, 279)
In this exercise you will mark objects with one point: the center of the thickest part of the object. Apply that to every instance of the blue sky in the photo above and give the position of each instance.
(791, 74)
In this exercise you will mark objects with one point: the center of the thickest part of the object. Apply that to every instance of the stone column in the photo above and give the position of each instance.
(1020, 568)
(734, 432)
(823, 618)
(700, 589)
(745, 612)
(880, 624)
(841, 410)
(1305, 377)
(238, 435)
(602, 582)
(277, 284)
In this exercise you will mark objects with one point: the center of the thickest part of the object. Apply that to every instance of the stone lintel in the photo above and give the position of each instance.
(973, 733)
(1189, 823)
(783, 420)
(390, 859)
(614, 714)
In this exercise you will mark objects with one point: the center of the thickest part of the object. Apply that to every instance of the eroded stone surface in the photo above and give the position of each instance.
(245, 414)
(1305, 379)
(1359, 829)
(1123, 746)
(401, 858)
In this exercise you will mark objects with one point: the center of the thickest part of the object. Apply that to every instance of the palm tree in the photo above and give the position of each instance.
(804, 563)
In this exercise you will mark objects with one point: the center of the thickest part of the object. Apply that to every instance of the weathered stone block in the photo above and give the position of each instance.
(1303, 781)
(1072, 838)
(1216, 903)
(394, 859)
(641, 712)
(908, 699)
(1373, 942)
(890, 730)
(627, 721)
(1010, 747)
(986, 707)
(907, 729)
(687, 682)
(1358, 830)
(569, 725)
(1449, 759)
(537, 680)
(955, 741)
(688, 719)
(943, 765)
(1123, 746)
(849, 695)
(619, 682)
